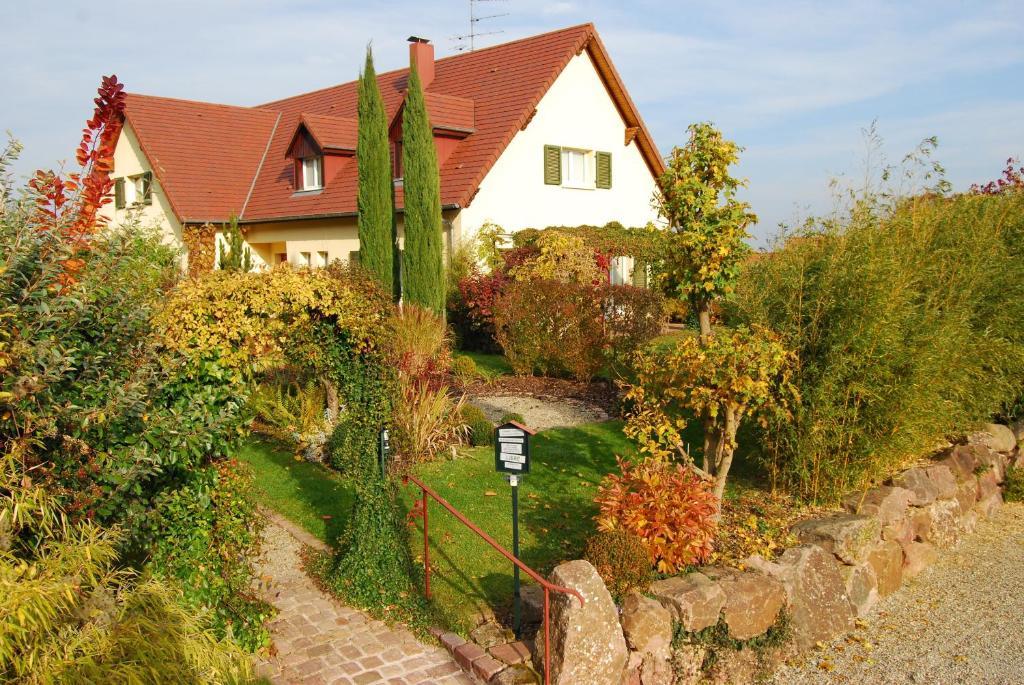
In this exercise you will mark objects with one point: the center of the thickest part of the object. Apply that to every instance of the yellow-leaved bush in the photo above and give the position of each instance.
(244, 317)
(563, 257)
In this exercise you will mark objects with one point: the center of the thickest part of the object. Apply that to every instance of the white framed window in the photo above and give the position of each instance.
(304, 259)
(620, 270)
(577, 169)
(131, 192)
(312, 173)
(321, 258)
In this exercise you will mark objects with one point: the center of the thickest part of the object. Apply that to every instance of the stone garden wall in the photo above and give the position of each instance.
(723, 625)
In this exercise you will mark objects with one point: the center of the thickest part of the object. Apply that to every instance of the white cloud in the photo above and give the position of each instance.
(793, 81)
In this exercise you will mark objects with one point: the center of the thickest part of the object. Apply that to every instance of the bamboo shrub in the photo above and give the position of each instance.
(905, 319)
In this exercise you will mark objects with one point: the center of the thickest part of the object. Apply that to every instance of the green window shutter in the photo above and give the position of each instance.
(552, 165)
(353, 257)
(603, 176)
(147, 188)
(119, 193)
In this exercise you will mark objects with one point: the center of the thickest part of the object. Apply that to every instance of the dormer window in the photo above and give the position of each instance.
(312, 169)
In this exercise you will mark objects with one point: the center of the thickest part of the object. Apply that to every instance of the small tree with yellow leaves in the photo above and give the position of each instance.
(707, 226)
(721, 377)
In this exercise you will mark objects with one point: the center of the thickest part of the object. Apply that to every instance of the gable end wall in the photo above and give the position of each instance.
(577, 111)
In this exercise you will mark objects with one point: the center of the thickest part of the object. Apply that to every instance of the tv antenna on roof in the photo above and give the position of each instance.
(467, 42)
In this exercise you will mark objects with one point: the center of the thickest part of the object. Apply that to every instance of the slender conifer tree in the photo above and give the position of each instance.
(423, 268)
(375, 200)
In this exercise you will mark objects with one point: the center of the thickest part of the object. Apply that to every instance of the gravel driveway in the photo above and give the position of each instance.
(961, 621)
(538, 413)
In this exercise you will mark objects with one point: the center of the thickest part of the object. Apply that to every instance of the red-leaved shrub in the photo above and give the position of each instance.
(557, 328)
(551, 327)
(664, 504)
(471, 313)
(632, 318)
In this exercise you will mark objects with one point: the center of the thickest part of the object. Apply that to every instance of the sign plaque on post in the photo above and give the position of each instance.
(383, 451)
(512, 456)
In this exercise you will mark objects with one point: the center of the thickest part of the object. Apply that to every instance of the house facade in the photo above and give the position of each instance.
(532, 133)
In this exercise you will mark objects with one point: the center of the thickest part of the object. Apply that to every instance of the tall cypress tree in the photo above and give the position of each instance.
(375, 201)
(423, 268)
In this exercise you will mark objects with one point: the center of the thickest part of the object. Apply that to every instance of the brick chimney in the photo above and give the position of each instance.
(421, 53)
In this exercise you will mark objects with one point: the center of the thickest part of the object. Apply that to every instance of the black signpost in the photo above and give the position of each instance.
(512, 456)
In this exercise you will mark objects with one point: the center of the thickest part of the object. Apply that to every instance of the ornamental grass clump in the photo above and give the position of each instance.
(427, 415)
(666, 505)
(70, 612)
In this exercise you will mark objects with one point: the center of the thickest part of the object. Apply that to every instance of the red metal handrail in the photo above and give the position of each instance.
(548, 586)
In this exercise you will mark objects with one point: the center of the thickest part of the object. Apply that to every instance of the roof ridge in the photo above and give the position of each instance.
(588, 25)
(259, 167)
(247, 108)
(534, 102)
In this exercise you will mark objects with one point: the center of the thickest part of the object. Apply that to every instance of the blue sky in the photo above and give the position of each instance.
(793, 82)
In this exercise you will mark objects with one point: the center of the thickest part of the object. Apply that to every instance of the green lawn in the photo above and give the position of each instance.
(556, 508)
(556, 514)
(490, 365)
(310, 495)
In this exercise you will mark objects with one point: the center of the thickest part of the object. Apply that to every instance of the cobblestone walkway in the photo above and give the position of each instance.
(319, 640)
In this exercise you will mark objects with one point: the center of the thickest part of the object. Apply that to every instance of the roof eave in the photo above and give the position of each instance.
(325, 215)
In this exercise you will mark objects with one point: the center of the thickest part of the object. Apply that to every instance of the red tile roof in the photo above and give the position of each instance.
(332, 133)
(214, 161)
(450, 112)
(204, 155)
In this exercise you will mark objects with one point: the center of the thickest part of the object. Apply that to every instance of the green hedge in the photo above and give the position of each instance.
(907, 323)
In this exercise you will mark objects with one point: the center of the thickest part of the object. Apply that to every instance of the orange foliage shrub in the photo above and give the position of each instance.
(666, 505)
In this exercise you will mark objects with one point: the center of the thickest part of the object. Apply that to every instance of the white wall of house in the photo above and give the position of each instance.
(577, 112)
(130, 162)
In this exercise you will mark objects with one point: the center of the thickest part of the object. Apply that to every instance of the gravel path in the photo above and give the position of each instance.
(540, 414)
(961, 621)
(321, 641)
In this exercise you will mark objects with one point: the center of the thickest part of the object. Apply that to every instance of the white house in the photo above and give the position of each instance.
(532, 133)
